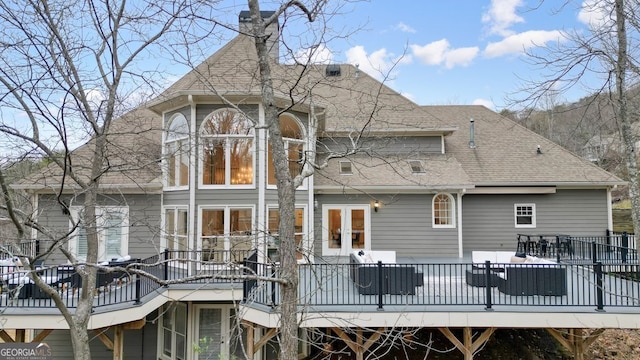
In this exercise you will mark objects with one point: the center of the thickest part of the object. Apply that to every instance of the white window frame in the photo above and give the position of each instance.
(182, 141)
(451, 210)
(516, 215)
(227, 155)
(288, 141)
(227, 236)
(100, 222)
(172, 307)
(272, 233)
(175, 235)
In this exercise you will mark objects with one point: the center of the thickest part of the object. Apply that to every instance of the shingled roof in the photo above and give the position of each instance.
(505, 152)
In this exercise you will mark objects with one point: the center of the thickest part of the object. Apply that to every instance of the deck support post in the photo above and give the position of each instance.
(467, 346)
(575, 340)
(252, 347)
(359, 346)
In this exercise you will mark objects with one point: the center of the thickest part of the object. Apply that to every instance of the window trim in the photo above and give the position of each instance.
(184, 140)
(172, 307)
(304, 242)
(287, 141)
(451, 209)
(201, 140)
(227, 223)
(124, 230)
(533, 215)
(175, 209)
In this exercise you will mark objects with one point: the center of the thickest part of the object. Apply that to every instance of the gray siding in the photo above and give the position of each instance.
(144, 221)
(488, 220)
(185, 111)
(138, 344)
(402, 224)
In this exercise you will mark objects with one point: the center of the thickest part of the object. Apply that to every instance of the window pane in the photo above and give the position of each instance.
(113, 235)
(213, 168)
(171, 163)
(442, 210)
(212, 230)
(295, 159)
(335, 228)
(357, 229)
(241, 162)
(210, 333)
(184, 164)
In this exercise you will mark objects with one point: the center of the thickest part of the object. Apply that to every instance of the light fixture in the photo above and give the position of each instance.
(376, 205)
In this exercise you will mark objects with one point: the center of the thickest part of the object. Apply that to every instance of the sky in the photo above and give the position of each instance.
(457, 51)
(454, 52)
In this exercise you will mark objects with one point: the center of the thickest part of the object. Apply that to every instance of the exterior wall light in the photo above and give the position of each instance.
(376, 205)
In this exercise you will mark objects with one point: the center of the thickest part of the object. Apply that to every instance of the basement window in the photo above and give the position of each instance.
(345, 168)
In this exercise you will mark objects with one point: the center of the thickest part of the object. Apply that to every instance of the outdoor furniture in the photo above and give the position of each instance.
(395, 279)
(478, 278)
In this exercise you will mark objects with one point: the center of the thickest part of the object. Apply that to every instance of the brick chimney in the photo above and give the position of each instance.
(273, 30)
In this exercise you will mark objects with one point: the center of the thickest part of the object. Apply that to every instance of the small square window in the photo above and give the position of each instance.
(345, 168)
(525, 215)
(416, 167)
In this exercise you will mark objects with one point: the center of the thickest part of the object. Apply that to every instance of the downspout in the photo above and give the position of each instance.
(459, 210)
(192, 178)
(609, 210)
(262, 174)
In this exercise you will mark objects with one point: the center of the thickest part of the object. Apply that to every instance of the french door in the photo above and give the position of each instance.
(345, 228)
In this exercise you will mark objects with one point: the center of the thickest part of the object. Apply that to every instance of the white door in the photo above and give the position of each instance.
(345, 228)
(216, 333)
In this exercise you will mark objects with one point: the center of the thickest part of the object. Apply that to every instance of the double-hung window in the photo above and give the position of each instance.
(173, 332)
(112, 226)
(226, 138)
(525, 215)
(176, 148)
(176, 225)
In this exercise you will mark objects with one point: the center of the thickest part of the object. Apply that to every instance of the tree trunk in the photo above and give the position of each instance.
(622, 115)
(286, 196)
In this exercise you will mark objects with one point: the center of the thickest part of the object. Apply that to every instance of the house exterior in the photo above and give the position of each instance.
(428, 182)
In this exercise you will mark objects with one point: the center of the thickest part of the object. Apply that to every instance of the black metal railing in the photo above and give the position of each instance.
(610, 248)
(117, 283)
(414, 286)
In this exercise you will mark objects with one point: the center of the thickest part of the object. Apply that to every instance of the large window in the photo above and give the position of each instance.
(227, 149)
(173, 332)
(525, 215)
(293, 145)
(176, 224)
(112, 225)
(226, 233)
(177, 152)
(443, 211)
(274, 223)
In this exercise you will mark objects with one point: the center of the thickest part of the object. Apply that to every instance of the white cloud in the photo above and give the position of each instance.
(376, 64)
(487, 103)
(518, 43)
(501, 15)
(596, 13)
(440, 52)
(315, 55)
(404, 28)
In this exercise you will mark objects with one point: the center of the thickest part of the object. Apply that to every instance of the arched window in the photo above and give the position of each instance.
(227, 149)
(293, 144)
(443, 211)
(176, 144)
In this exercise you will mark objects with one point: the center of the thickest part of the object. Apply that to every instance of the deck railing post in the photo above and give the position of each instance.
(625, 247)
(380, 282)
(558, 249)
(487, 285)
(599, 289)
(594, 251)
(166, 266)
(273, 286)
(137, 302)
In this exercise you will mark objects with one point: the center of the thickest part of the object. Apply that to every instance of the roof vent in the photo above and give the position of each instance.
(333, 70)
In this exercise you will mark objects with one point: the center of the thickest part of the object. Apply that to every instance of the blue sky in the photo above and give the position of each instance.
(457, 51)
(452, 52)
